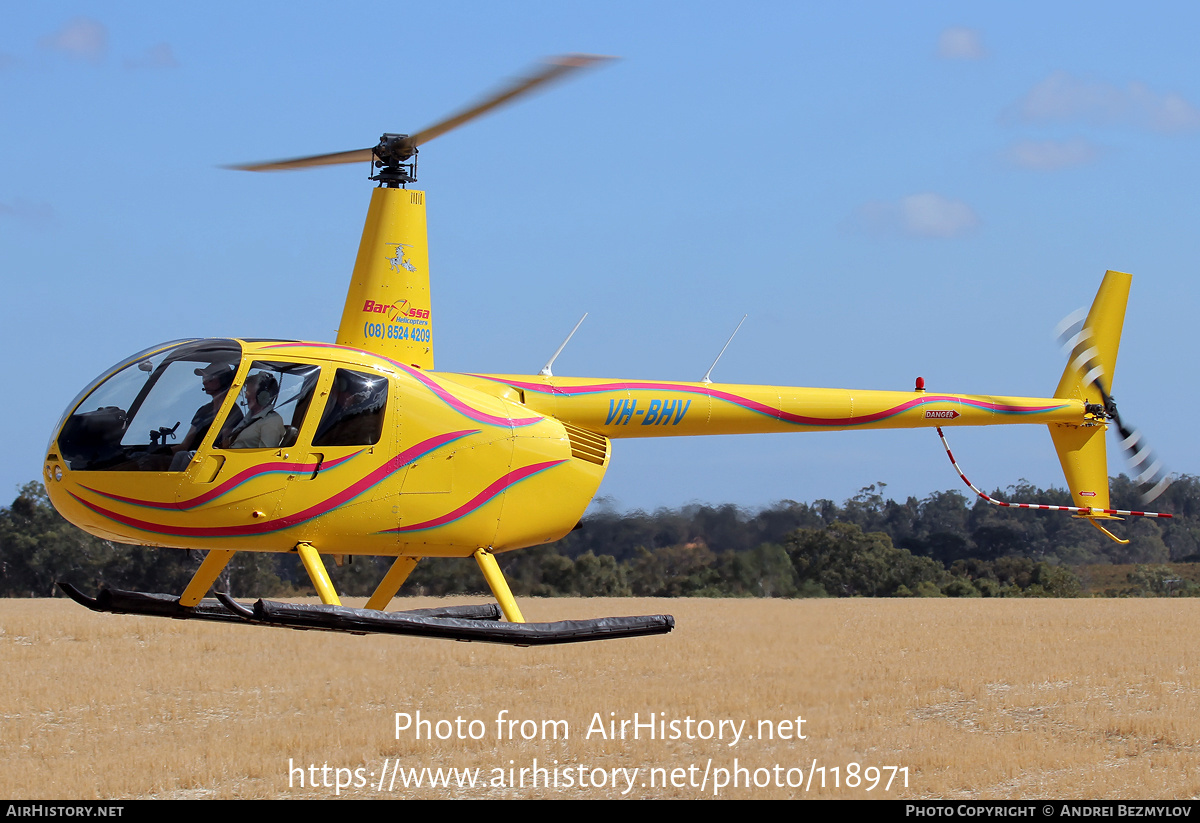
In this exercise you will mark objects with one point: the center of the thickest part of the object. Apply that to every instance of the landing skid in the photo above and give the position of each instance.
(464, 623)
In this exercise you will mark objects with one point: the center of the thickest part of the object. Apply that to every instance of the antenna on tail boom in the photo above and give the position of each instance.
(707, 378)
(545, 372)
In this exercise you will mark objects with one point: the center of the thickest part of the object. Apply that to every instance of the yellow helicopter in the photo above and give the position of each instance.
(360, 447)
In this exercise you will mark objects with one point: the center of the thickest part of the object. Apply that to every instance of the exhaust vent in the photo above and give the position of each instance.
(587, 445)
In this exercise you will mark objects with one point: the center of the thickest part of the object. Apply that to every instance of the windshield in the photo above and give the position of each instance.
(151, 408)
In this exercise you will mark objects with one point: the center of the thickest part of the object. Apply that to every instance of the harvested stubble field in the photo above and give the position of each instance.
(975, 698)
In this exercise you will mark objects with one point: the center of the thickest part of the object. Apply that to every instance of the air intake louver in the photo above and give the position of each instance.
(587, 445)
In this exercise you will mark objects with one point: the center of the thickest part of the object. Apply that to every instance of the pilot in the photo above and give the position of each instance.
(264, 427)
(216, 378)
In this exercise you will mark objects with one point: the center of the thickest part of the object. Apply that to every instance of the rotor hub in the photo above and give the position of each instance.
(392, 156)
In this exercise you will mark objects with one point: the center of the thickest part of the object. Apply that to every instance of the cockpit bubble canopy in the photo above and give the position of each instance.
(130, 417)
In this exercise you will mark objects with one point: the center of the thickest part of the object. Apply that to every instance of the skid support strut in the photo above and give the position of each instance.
(318, 575)
(495, 579)
(210, 568)
(391, 583)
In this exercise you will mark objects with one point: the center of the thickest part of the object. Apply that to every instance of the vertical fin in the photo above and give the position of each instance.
(1088, 377)
(1098, 342)
(1081, 451)
(387, 307)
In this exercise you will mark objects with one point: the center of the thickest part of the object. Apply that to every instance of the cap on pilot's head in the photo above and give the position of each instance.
(222, 372)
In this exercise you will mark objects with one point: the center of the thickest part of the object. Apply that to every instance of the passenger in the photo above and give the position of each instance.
(216, 378)
(264, 427)
(354, 414)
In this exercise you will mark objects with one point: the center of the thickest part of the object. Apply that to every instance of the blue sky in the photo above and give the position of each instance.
(887, 190)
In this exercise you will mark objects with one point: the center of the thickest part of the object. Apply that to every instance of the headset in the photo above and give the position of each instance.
(266, 388)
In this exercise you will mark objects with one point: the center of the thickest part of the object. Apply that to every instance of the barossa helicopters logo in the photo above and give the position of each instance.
(400, 262)
(398, 311)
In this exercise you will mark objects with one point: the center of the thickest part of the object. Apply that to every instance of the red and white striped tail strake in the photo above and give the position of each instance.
(1076, 509)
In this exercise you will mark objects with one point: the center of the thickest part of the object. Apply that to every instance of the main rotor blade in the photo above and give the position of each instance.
(356, 156)
(554, 68)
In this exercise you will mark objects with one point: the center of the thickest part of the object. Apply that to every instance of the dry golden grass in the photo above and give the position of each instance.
(978, 699)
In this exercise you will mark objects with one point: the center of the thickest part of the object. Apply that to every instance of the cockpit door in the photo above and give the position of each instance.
(347, 454)
(249, 461)
(238, 482)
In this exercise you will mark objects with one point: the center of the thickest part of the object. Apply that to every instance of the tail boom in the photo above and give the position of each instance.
(626, 409)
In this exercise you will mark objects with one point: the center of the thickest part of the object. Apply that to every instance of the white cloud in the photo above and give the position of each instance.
(932, 215)
(81, 37)
(958, 43)
(1064, 97)
(920, 215)
(160, 56)
(1051, 155)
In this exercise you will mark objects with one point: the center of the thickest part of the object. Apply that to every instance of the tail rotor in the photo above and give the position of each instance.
(1077, 339)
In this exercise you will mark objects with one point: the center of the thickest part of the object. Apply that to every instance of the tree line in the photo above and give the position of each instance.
(870, 545)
